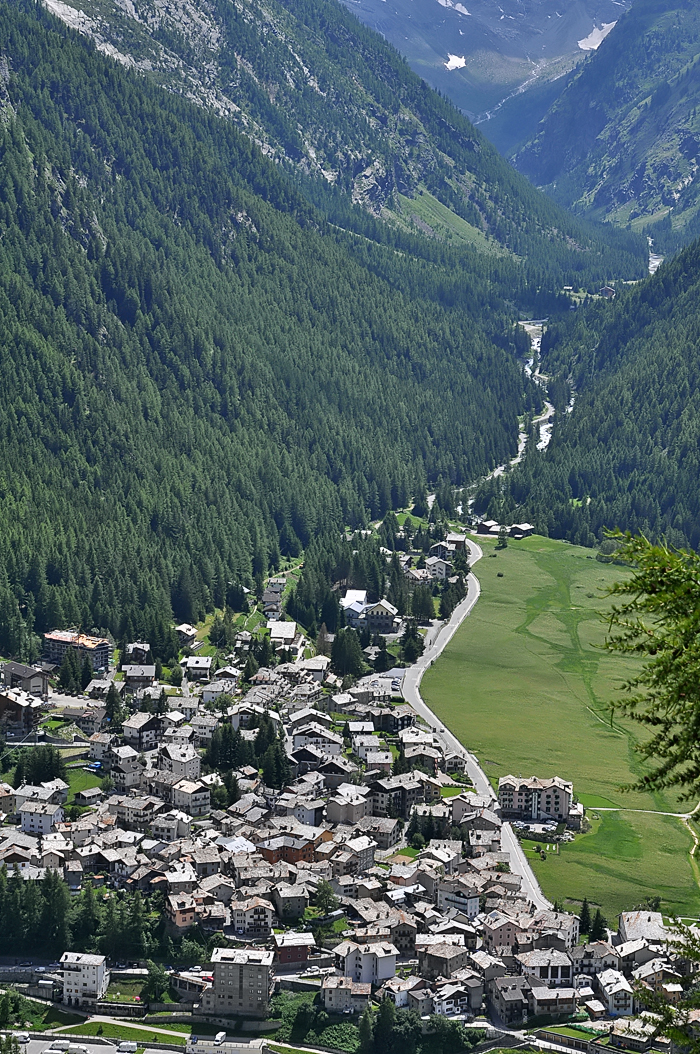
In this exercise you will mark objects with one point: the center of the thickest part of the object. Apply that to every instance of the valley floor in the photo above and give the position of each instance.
(525, 685)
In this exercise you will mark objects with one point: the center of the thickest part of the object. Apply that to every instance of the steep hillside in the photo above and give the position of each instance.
(503, 63)
(622, 143)
(319, 92)
(198, 372)
(628, 455)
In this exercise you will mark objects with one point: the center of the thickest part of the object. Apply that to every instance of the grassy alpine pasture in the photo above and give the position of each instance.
(526, 686)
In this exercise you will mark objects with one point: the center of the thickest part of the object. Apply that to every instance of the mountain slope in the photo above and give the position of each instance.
(505, 52)
(318, 91)
(197, 370)
(622, 142)
(628, 455)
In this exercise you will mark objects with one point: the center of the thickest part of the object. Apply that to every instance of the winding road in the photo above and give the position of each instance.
(436, 639)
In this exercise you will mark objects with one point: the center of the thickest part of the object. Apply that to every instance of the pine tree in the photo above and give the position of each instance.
(585, 917)
(250, 669)
(86, 672)
(365, 1029)
(384, 1026)
(113, 704)
(598, 927)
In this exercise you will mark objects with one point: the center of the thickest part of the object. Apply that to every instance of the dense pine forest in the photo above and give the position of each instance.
(201, 373)
(628, 455)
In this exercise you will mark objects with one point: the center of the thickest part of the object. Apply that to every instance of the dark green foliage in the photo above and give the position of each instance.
(86, 672)
(37, 765)
(411, 642)
(251, 667)
(157, 982)
(346, 653)
(383, 660)
(197, 368)
(326, 900)
(275, 766)
(398, 1031)
(69, 675)
(228, 749)
(585, 917)
(452, 594)
(598, 927)
(628, 455)
(422, 607)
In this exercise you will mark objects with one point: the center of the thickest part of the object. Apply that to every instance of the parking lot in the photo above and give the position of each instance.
(38, 1046)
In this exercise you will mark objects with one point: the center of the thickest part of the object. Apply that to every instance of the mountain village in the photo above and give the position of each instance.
(377, 871)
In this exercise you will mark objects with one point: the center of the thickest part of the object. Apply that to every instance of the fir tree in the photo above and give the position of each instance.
(598, 927)
(585, 917)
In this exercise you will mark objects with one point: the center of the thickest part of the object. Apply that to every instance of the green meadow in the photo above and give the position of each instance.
(526, 686)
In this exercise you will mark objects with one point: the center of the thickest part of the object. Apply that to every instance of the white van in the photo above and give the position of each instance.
(127, 1046)
(60, 1044)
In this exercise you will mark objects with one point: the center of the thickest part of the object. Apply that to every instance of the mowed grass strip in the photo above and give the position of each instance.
(122, 1030)
(525, 684)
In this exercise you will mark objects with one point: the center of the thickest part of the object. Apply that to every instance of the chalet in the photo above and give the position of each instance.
(186, 635)
(136, 677)
(138, 652)
(141, 731)
(197, 667)
(19, 711)
(31, 679)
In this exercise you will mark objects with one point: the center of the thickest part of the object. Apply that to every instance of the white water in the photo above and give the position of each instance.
(655, 260)
(545, 420)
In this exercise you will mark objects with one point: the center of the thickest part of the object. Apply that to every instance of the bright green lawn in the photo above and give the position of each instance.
(123, 1031)
(80, 780)
(523, 686)
(624, 859)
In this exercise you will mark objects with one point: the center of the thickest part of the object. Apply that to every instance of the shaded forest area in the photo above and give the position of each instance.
(628, 455)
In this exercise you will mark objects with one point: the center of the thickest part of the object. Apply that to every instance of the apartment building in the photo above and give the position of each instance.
(241, 982)
(85, 978)
(97, 649)
(535, 799)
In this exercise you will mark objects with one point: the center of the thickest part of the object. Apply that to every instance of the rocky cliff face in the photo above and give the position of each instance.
(623, 141)
(311, 92)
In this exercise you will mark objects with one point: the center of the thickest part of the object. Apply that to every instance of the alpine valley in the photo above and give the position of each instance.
(211, 356)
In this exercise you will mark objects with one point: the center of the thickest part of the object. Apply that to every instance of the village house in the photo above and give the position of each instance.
(370, 963)
(141, 731)
(31, 679)
(343, 994)
(252, 917)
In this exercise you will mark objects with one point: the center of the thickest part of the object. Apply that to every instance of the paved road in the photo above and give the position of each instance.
(37, 1046)
(438, 636)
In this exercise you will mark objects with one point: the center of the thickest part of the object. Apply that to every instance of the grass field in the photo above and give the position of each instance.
(525, 685)
(80, 780)
(445, 224)
(113, 1030)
